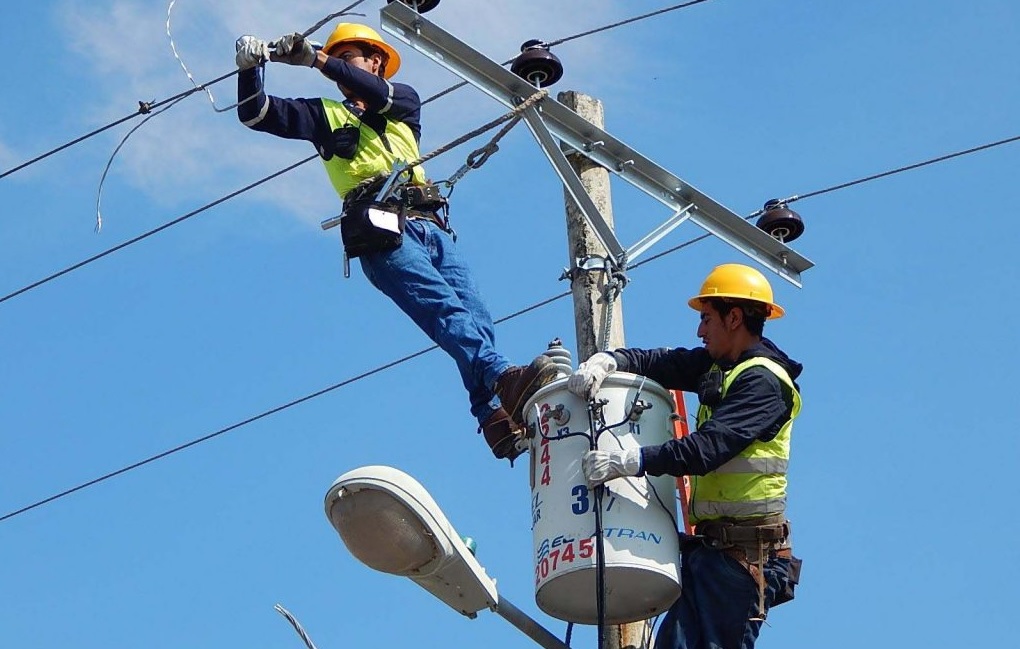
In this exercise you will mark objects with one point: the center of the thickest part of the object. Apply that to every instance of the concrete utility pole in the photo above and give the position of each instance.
(590, 311)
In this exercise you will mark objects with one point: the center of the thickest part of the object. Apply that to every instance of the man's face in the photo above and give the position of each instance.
(356, 57)
(715, 334)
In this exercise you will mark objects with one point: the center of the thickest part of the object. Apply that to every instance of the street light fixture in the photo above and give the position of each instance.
(389, 522)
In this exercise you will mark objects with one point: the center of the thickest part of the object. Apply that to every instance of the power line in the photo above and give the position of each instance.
(565, 39)
(420, 352)
(143, 109)
(147, 107)
(309, 397)
(682, 5)
(150, 233)
(910, 167)
(796, 197)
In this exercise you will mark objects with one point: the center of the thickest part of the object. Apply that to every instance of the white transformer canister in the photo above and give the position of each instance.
(640, 536)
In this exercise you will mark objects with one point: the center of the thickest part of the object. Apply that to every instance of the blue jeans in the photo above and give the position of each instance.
(426, 278)
(717, 599)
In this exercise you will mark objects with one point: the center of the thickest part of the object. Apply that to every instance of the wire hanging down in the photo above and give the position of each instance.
(297, 626)
(145, 107)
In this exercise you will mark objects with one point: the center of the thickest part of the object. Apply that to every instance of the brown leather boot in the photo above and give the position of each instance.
(519, 383)
(501, 434)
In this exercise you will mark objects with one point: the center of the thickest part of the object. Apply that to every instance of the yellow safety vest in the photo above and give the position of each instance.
(373, 157)
(753, 484)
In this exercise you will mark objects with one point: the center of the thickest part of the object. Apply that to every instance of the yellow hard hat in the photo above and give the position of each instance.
(353, 32)
(738, 282)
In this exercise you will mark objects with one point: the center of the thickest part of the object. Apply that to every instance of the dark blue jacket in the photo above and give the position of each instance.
(756, 405)
(305, 119)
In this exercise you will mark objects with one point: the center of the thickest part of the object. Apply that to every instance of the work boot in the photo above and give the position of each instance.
(502, 435)
(519, 383)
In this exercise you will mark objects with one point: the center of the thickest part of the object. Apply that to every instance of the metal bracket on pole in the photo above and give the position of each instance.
(658, 233)
(589, 140)
(577, 191)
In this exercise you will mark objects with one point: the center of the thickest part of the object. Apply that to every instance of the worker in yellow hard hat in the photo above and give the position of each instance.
(739, 562)
(409, 255)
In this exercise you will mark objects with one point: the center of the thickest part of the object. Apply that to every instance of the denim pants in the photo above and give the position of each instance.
(426, 278)
(717, 599)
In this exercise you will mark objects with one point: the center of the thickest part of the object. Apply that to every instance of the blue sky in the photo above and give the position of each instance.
(904, 448)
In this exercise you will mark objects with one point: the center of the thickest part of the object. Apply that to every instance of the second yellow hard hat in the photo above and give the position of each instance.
(737, 281)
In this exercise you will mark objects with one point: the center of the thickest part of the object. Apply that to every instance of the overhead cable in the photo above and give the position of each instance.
(565, 39)
(148, 234)
(796, 197)
(263, 415)
(510, 116)
(295, 402)
(910, 167)
(144, 107)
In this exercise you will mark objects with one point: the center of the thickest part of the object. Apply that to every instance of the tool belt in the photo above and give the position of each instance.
(424, 202)
(750, 536)
(752, 543)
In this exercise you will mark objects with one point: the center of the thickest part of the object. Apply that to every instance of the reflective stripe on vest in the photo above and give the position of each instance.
(752, 484)
(373, 157)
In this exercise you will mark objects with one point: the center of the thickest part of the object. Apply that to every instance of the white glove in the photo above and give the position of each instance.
(251, 52)
(602, 466)
(588, 377)
(294, 49)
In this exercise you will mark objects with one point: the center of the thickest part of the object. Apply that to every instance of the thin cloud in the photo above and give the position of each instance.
(192, 150)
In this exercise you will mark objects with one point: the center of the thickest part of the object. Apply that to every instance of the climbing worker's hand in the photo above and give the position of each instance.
(294, 49)
(251, 52)
(588, 377)
(602, 466)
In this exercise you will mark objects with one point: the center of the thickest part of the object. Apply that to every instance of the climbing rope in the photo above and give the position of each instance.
(514, 114)
(481, 155)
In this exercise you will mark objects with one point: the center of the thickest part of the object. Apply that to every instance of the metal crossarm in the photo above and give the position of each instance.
(573, 184)
(598, 145)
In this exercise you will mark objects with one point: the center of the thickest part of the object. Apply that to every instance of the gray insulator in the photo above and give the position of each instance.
(561, 356)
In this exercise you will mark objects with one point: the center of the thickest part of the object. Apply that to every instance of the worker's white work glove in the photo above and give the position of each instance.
(602, 466)
(588, 377)
(251, 52)
(294, 49)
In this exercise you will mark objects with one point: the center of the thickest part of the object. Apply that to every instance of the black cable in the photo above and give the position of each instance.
(420, 352)
(221, 431)
(148, 234)
(682, 5)
(600, 544)
(143, 109)
(147, 107)
(574, 37)
(450, 89)
(797, 197)
(290, 404)
(902, 169)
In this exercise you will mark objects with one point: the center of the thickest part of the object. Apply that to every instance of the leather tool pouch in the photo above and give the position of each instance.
(425, 198)
(367, 227)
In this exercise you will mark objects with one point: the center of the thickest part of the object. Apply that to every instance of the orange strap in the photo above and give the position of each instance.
(681, 429)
